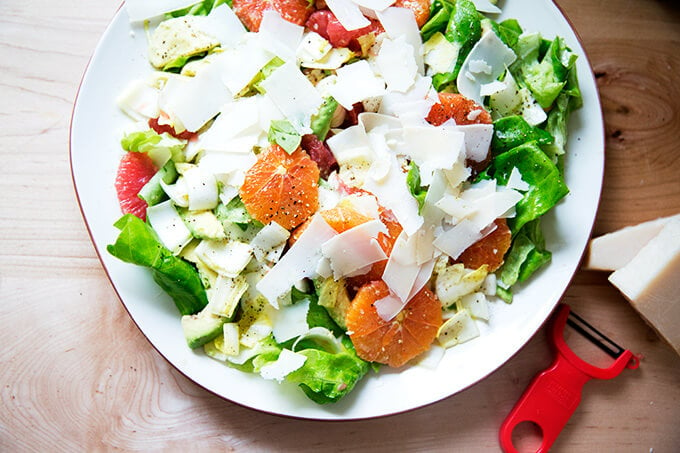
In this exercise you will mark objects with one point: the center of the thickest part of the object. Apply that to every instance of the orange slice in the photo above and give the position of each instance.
(489, 250)
(399, 340)
(386, 242)
(281, 187)
(461, 109)
(340, 218)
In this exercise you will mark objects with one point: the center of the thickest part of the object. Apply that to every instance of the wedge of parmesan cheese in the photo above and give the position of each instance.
(650, 281)
(614, 250)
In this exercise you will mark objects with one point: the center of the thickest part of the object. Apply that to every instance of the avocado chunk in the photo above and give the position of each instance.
(201, 328)
(202, 224)
(152, 192)
(334, 298)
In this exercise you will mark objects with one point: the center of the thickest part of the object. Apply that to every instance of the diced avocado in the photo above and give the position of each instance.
(201, 328)
(152, 192)
(334, 298)
(202, 224)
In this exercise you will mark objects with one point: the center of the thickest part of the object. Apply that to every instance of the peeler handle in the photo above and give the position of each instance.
(549, 402)
(553, 395)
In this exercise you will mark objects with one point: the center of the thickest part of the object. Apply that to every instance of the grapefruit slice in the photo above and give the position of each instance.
(281, 187)
(134, 171)
(399, 340)
(250, 11)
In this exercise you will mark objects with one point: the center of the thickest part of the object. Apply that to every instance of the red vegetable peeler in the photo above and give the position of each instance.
(554, 394)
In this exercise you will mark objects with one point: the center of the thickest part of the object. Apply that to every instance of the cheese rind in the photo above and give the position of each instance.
(614, 250)
(650, 281)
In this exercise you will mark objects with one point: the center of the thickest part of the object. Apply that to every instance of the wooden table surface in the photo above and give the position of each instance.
(76, 374)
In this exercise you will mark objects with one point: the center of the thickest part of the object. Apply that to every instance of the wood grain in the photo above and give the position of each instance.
(77, 375)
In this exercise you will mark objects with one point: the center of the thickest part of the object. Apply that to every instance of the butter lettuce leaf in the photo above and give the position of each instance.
(321, 120)
(138, 244)
(512, 131)
(568, 100)
(440, 14)
(284, 134)
(413, 182)
(547, 186)
(326, 377)
(544, 70)
(465, 29)
(461, 24)
(159, 147)
(526, 256)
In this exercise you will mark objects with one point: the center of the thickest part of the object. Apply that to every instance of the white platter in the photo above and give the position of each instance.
(95, 151)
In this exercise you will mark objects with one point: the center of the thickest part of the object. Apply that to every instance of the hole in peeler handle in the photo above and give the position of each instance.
(527, 437)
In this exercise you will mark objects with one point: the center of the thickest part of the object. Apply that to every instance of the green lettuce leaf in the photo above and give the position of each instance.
(202, 8)
(137, 244)
(527, 49)
(526, 255)
(326, 377)
(284, 134)
(413, 182)
(546, 183)
(544, 70)
(440, 14)
(254, 86)
(461, 24)
(318, 316)
(512, 131)
(140, 142)
(321, 121)
(465, 29)
(509, 31)
(568, 100)
(160, 147)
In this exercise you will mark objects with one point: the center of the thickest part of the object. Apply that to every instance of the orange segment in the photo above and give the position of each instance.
(489, 250)
(281, 187)
(394, 342)
(386, 242)
(341, 218)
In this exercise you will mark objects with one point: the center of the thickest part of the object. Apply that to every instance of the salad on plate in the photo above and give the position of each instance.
(324, 188)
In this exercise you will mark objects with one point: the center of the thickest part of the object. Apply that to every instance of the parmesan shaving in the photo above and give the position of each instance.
(301, 261)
